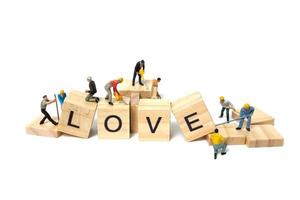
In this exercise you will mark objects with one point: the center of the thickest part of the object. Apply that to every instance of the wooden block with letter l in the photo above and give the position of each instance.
(231, 135)
(193, 117)
(126, 88)
(259, 117)
(113, 121)
(154, 116)
(47, 129)
(77, 115)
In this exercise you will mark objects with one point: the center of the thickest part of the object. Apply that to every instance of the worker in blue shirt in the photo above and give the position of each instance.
(246, 113)
(61, 97)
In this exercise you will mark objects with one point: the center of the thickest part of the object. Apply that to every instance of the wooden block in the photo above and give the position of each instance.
(275, 139)
(77, 115)
(257, 137)
(47, 129)
(154, 119)
(113, 121)
(193, 117)
(134, 119)
(126, 88)
(258, 118)
(231, 135)
(154, 93)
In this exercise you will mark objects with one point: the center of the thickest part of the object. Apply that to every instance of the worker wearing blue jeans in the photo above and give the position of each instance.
(246, 113)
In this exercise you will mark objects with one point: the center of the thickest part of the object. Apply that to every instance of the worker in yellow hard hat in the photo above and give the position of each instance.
(218, 143)
(113, 84)
(246, 113)
(61, 97)
(226, 105)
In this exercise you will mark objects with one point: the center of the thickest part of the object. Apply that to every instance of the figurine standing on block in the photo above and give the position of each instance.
(44, 104)
(226, 105)
(113, 84)
(139, 70)
(246, 112)
(218, 143)
(61, 97)
(92, 90)
(155, 83)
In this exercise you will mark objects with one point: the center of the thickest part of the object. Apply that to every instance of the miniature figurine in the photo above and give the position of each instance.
(113, 84)
(226, 105)
(246, 112)
(61, 97)
(155, 86)
(218, 143)
(44, 104)
(92, 90)
(139, 70)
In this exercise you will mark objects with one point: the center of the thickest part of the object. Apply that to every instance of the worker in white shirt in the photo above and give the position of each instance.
(226, 105)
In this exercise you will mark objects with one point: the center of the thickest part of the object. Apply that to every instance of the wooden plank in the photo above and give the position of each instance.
(275, 138)
(154, 116)
(257, 137)
(47, 129)
(259, 117)
(126, 88)
(193, 116)
(113, 121)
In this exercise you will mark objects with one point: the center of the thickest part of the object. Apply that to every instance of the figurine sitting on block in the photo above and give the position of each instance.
(113, 84)
(155, 94)
(139, 70)
(92, 90)
(44, 104)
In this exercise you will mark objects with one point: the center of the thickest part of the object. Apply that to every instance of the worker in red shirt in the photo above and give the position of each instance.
(112, 84)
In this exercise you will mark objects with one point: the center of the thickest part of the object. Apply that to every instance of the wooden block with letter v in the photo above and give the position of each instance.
(193, 116)
(113, 121)
(77, 115)
(154, 118)
(259, 117)
(47, 129)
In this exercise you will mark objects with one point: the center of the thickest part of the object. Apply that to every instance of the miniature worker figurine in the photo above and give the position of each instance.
(246, 112)
(218, 143)
(226, 105)
(61, 97)
(112, 84)
(139, 70)
(44, 104)
(155, 87)
(92, 90)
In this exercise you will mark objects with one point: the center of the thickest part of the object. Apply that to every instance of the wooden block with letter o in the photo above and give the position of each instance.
(154, 116)
(47, 129)
(193, 117)
(113, 121)
(77, 115)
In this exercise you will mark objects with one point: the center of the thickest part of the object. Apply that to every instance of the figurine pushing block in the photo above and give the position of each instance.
(193, 117)
(154, 119)
(113, 121)
(77, 115)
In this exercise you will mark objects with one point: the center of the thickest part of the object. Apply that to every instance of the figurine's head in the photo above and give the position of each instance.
(121, 80)
(142, 61)
(45, 97)
(246, 106)
(62, 92)
(222, 98)
(89, 78)
(216, 130)
(158, 79)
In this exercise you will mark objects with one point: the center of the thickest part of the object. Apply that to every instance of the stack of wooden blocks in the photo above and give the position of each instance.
(151, 118)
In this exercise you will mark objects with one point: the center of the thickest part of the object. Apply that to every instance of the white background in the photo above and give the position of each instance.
(247, 51)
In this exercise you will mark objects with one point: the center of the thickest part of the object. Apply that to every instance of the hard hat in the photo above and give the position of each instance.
(222, 98)
(61, 91)
(121, 80)
(246, 106)
(89, 78)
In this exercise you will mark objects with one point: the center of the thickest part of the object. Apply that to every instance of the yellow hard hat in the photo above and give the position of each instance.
(222, 98)
(121, 80)
(61, 91)
(246, 106)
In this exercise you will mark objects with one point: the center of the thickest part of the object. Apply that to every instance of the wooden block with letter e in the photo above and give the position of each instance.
(47, 129)
(259, 117)
(77, 115)
(113, 121)
(126, 88)
(193, 117)
(154, 117)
